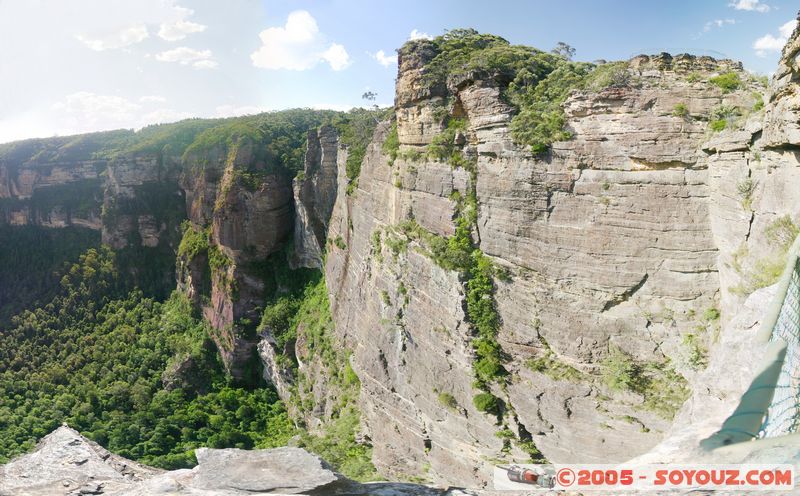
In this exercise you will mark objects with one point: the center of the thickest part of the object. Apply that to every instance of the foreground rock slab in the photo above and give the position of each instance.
(65, 463)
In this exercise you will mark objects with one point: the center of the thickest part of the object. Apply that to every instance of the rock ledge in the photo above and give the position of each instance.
(66, 463)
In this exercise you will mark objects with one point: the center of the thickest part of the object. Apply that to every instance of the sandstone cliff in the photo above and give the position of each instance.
(51, 194)
(82, 181)
(615, 250)
(753, 173)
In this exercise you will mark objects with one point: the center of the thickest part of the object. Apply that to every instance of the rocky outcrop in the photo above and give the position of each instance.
(275, 371)
(66, 463)
(781, 128)
(131, 199)
(735, 361)
(411, 345)
(138, 199)
(250, 211)
(248, 205)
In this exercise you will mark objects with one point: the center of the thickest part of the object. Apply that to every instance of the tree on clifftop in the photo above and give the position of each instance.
(563, 50)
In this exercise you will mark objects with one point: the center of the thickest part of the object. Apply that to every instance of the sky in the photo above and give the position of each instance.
(74, 66)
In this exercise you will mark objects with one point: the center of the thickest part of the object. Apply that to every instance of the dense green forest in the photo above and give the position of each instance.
(95, 357)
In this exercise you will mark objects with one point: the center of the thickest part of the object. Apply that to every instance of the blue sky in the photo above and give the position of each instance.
(69, 66)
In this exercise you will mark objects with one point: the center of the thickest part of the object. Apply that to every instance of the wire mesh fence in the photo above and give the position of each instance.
(783, 414)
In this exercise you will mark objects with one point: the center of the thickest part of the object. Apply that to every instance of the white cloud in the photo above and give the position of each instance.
(85, 111)
(102, 45)
(152, 99)
(336, 56)
(23, 126)
(170, 19)
(298, 46)
(205, 64)
(752, 5)
(179, 30)
(120, 39)
(383, 59)
(419, 35)
(199, 59)
(84, 102)
(718, 23)
(787, 29)
(770, 43)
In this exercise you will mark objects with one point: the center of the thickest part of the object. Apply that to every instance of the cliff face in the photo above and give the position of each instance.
(127, 198)
(142, 203)
(51, 194)
(615, 244)
(753, 174)
(315, 191)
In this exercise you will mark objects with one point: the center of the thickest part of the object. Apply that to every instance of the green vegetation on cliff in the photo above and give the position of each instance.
(66, 149)
(662, 388)
(194, 241)
(168, 139)
(727, 82)
(535, 82)
(391, 145)
(286, 130)
(442, 146)
(298, 310)
(462, 253)
(276, 140)
(355, 129)
(337, 444)
(459, 252)
(765, 270)
(550, 365)
(280, 137)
